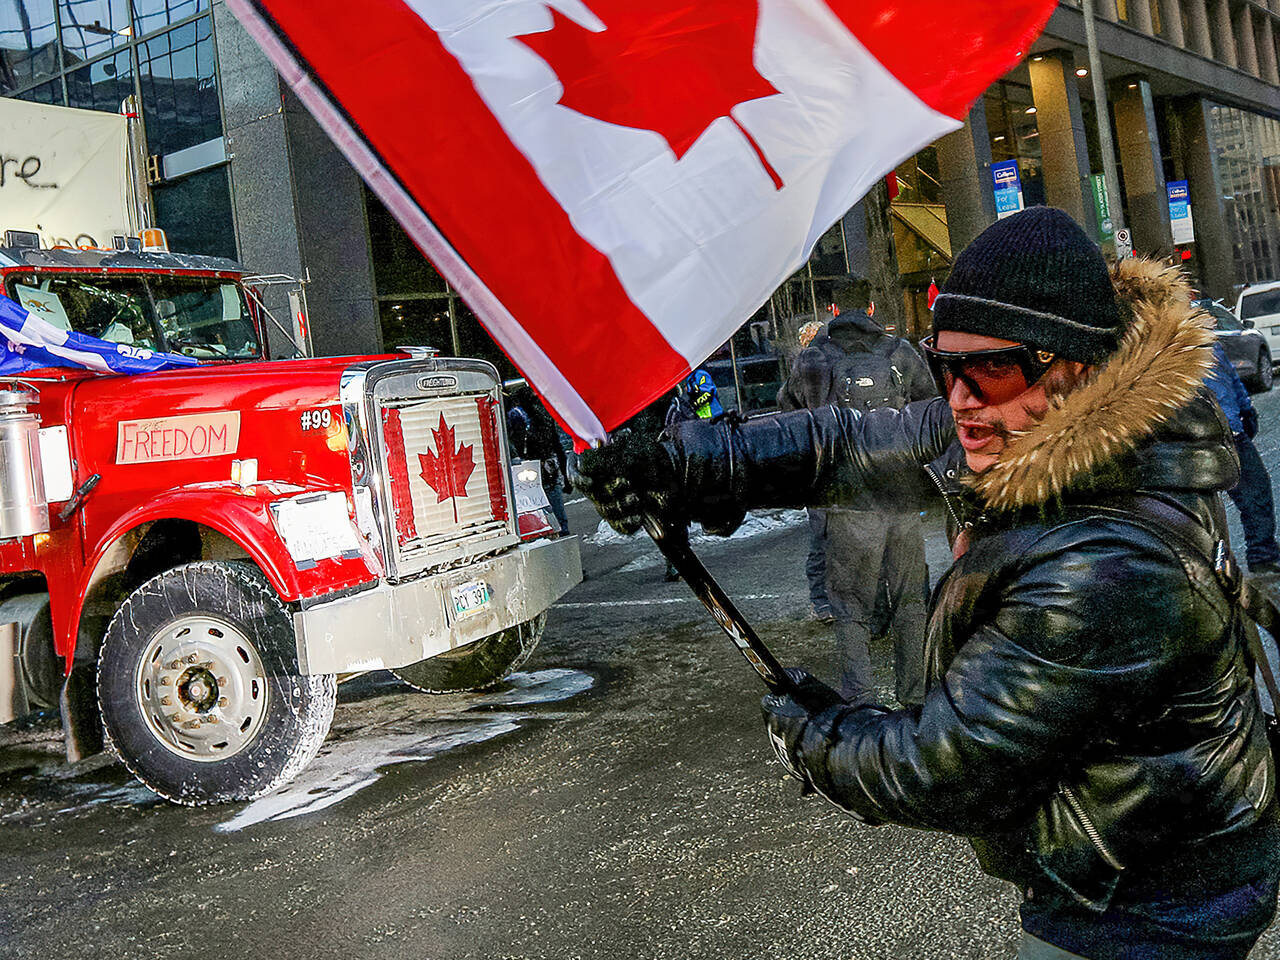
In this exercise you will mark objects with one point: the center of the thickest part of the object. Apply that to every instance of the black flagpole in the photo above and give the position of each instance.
(674, 545)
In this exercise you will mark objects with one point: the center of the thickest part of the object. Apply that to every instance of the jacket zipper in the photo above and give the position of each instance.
(1091, 831)
(946, 497)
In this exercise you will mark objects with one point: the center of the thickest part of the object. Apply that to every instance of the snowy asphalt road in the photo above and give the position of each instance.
(615, 801)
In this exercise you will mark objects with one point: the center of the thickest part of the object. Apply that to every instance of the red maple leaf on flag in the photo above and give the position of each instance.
(448, 470)
(670, 66)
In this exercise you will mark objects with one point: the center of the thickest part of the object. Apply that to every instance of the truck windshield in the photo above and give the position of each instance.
(113, 309)
(204, 319)
(199, 317)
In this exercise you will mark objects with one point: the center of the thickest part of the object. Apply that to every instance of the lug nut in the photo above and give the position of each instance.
(223, 701)
(192, 724)
(166, 701)
(210, 718)
(222, 681)
(175, 665)
(192, 658)
(165, 681)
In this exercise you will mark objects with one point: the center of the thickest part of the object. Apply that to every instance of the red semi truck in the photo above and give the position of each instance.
(192, 559)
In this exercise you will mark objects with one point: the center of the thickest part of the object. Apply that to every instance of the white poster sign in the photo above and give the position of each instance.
(1180, 219)
(64, 174)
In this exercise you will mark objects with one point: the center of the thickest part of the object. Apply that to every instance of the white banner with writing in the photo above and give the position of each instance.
(64, 174)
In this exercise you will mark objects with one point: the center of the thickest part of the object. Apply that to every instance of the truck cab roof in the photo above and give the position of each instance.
(67, 257)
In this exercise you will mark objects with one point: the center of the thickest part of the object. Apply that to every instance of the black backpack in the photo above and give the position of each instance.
(867, 379)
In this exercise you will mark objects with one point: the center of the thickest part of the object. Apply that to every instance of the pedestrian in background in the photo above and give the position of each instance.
(815, 567)
(699, 392)
(532, 434)
(871, 561)
(1252, 495)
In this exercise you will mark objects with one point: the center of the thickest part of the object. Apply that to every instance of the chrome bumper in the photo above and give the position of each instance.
(394, 625)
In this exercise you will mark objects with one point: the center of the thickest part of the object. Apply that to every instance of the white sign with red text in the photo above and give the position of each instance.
(178, 438)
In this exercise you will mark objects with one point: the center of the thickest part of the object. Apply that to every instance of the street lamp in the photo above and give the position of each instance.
(1109, 174)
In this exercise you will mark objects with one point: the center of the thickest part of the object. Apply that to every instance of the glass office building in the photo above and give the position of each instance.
(93, 54)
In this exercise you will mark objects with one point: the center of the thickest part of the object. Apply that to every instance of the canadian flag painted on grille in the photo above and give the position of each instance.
(615, 185)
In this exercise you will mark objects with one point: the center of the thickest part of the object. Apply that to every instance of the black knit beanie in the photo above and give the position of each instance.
(1035, 278)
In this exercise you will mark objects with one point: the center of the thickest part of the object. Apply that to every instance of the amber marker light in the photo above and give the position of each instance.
(335, 435)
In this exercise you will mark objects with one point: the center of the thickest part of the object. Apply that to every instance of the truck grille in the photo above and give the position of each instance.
(440, 456)
(440, 485)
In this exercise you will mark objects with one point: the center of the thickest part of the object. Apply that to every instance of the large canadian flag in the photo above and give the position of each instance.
(615, 185)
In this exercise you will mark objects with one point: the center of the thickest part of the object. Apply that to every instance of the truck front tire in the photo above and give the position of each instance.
(199, 686)
(477, 665)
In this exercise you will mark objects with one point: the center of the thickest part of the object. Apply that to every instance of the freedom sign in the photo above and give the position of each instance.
(658, 166)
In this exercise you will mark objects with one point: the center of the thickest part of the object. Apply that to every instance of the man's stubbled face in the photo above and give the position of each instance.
(985, 429)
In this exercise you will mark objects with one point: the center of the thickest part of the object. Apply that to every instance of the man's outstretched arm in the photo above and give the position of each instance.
(712, 473)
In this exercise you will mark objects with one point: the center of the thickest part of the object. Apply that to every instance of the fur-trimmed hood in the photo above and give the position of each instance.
(1157, 371)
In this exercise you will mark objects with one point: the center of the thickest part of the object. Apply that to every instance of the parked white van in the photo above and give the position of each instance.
(1258, 306)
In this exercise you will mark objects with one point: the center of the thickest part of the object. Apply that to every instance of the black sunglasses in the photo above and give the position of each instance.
(995, 376)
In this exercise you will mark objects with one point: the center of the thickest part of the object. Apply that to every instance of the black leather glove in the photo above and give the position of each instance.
(1249, 420)
(630, 476)
(802, 728)
(787, 717)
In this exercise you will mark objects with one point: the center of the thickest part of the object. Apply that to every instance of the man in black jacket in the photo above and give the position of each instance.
(1090, 723)
(874, 573)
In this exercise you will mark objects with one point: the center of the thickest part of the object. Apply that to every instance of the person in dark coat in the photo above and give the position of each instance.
(815, 565)
(1091, 723)
(533, 435)
(1252, 495)
(871, 561)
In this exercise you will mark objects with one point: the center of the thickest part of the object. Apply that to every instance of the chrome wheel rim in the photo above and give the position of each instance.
(202, 689)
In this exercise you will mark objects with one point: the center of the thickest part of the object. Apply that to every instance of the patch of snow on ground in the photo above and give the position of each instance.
(345, 767)
(764, 521)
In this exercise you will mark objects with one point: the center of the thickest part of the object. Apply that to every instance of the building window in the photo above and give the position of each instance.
(399, 267)
(417, 322)
(152, 15)
(416, 307)
(179, 89)
(92, 27)
(28, 43)
(1248, 151)
(50, 92)
(195, 213)
(1015, 135)
(103, 85)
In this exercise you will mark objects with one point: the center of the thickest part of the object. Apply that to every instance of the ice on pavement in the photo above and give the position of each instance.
(763, 521)
(345, 767)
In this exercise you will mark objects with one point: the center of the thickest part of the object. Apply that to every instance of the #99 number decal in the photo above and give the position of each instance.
(316, 419)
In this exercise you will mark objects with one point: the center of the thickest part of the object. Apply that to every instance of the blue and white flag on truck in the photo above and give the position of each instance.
(32, 344)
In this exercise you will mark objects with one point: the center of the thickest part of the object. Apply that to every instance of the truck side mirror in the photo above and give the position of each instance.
(1248, 324)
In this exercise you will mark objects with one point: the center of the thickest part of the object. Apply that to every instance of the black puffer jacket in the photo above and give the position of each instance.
(1091, 720)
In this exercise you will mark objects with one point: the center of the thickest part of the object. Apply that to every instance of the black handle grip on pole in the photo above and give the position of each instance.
(674, 545)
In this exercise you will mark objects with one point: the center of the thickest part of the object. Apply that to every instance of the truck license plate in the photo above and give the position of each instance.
(468, 598)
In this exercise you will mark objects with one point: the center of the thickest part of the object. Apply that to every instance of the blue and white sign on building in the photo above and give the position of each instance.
(1007, 186)
(1180, 212)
